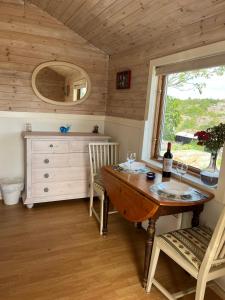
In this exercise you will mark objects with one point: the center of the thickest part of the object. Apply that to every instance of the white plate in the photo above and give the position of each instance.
(135, 166)
(176, 188)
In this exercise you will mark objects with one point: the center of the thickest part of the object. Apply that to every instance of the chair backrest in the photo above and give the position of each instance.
(102, 154)
(215, 253)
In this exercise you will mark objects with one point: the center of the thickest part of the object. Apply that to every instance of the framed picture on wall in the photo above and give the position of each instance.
(123, 79)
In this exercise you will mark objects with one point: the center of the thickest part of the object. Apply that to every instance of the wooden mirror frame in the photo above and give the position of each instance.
(65, 64)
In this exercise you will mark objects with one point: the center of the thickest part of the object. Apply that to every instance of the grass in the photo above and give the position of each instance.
(192, 146)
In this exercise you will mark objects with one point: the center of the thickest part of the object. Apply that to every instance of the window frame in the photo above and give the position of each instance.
(146, 126)
(158, 124)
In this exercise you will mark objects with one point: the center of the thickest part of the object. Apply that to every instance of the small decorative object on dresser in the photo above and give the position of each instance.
(65, 129)
(95, 129)
(213, 139)
(28, 127)
(57, 166)
(123, 79)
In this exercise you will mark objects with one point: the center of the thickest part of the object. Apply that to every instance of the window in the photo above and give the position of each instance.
(79, 89)
(188, 101)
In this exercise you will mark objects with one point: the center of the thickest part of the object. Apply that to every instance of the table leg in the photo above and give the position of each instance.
(196, 213)
(148, 248)
(105, 214)
(139, 225)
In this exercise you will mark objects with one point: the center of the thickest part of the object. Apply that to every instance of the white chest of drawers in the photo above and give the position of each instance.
(57, 165)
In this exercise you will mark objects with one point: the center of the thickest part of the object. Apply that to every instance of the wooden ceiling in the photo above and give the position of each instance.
(118, 25)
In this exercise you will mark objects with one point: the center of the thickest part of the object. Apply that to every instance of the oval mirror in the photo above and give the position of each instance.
(61, 83)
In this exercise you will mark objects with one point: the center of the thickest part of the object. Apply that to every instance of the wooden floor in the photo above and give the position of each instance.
(54, 252)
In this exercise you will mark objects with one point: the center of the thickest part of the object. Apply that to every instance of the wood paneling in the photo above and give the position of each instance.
(131, 102)
(50, 84)
(118, 25)
(132, 31)
(29, 37)
(54, 252)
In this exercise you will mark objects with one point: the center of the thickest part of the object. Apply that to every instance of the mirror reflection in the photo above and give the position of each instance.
(60, 82)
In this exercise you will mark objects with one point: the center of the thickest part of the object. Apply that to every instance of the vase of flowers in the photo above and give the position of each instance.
(213, 139)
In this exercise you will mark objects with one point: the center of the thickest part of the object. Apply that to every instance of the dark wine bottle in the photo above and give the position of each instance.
(167, 162)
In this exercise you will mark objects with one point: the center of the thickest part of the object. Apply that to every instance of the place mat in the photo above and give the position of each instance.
(192, 193)
(123, 168)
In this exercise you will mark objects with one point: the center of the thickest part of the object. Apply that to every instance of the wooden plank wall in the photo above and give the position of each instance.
(50, 84)
(28, 37)
(131, 103)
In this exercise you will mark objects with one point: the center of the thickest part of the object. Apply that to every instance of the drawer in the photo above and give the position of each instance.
(59, 188)
(50, 146)
(79, 146)
(41, 161)
(60, 174)
(82, 146)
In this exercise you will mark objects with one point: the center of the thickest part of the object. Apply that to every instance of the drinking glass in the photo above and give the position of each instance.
(181, 169)
(131, 157)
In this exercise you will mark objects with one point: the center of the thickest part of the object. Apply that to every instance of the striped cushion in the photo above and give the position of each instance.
(190, 243)
(99, 184)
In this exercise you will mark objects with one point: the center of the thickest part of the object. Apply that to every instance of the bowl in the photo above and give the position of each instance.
(150, 175)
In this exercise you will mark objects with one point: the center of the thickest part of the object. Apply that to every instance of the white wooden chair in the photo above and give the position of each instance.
(197, 250)
(101, 154)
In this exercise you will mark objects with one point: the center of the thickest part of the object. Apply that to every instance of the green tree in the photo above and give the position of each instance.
(184, 81)
(172, 118)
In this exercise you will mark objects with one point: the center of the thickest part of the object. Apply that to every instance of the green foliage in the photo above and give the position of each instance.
(191, 146)
(172, 118)
(191, 115)
(217, 137)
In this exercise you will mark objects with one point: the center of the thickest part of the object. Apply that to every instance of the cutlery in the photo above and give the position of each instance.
(200, 194)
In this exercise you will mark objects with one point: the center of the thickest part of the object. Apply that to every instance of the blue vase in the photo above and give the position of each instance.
(64, 129)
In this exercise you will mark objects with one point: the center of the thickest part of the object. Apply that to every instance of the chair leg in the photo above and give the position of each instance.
(101, 214)
(91, 201)
(152, 267)
(200, 289)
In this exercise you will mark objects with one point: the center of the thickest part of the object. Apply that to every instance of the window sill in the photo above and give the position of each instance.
(188, 178)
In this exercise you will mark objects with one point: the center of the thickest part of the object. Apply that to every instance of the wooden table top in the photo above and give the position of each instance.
(130, 194)
(140, 183)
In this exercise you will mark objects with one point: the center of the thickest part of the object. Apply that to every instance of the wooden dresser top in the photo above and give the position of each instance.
(52, 134)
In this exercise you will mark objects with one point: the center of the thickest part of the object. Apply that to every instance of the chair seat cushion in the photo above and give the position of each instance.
(190, 243)
(99, 184)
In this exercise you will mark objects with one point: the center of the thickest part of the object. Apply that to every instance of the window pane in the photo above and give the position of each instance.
(194, 101)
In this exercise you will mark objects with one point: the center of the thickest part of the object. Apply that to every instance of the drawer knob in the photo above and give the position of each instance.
(46, 161)
(46, 190)
(50, 145)
(46, 175)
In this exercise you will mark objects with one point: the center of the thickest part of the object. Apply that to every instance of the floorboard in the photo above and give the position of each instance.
(54, 252)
